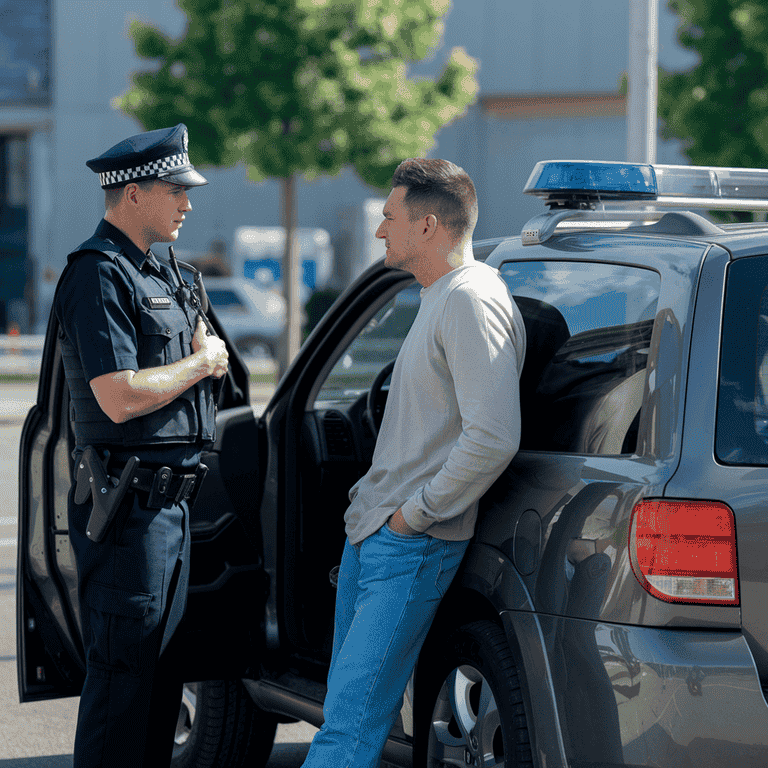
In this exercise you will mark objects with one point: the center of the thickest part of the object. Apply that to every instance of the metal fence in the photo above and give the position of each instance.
(23, 355)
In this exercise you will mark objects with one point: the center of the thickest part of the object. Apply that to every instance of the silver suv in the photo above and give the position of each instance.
(611, 607)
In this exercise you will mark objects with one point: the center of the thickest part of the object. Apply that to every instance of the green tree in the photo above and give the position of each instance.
(719, 108)
(301, 87)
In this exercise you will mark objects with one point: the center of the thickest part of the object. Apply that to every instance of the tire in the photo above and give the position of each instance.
(219, 725)
(472, 712)
(257, 347)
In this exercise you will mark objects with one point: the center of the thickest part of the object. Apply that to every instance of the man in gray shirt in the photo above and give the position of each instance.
(451, 425)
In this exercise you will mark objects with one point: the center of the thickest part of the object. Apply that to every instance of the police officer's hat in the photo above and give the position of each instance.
(160, 154)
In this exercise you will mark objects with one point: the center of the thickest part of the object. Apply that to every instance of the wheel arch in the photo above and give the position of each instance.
(489, 587)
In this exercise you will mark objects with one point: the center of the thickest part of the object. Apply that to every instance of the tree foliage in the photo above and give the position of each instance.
(301, 86)
(719, 108)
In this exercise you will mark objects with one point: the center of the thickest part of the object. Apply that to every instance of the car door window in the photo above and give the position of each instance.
(742, 410)
(589, 329)
(375, 346)
(226, 301)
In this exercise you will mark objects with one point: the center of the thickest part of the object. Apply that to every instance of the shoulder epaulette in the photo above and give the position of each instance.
(99, 244)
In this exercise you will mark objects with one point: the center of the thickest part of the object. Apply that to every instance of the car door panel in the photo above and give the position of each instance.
(49, 650)
(332, 459)
(329, 381)
(226, 581)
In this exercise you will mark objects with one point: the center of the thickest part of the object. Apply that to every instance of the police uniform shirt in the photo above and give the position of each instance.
(96, 306)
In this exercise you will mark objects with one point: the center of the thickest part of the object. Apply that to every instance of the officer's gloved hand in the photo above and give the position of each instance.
(214, 349)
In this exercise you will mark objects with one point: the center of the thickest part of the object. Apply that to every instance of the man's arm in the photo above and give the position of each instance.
(126, 394)
(484, 342)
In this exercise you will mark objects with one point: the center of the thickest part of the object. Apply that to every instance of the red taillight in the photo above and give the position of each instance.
(685, 551)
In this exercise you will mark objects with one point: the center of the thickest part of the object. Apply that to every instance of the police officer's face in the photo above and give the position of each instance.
(163, 206)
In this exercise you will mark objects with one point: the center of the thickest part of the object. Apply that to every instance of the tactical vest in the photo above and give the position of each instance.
(164, 336)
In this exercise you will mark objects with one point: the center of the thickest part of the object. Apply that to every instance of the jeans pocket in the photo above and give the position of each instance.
(404, 536)
(118, 627)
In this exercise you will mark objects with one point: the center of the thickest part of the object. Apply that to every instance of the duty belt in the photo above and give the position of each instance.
(163, 485)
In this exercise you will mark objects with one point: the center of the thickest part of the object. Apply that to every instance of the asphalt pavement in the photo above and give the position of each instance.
(40, 735)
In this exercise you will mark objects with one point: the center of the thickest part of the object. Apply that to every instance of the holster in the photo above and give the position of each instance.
(92, 478)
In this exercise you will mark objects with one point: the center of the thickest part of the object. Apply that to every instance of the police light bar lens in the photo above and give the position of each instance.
(593, 180)
(685, 551)
(712, 183)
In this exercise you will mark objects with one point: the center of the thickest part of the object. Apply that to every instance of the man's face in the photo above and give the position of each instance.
(162, 210)
(398, 231)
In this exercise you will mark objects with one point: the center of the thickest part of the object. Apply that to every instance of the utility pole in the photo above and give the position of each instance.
(291, 277)
(643, 80)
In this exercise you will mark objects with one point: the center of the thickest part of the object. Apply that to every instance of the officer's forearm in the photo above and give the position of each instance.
(125, 395)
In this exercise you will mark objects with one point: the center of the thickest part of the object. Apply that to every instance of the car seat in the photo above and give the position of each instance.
(611, 420)
(592, 390)
(546, 331)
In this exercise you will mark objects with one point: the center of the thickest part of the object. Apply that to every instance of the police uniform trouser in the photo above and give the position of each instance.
(133, 588)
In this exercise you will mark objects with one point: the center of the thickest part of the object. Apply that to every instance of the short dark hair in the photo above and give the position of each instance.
(439, 187)
(112, 196)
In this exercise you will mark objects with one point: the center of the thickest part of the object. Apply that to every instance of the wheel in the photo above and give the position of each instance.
(255, 346)
(473, 707)
(219, 725)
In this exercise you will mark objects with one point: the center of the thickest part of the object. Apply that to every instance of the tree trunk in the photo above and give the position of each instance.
(291, 275)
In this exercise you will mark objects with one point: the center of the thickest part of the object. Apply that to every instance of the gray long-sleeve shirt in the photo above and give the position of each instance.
(452, 420)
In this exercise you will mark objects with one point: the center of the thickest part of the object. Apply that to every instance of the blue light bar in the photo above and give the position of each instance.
(571, 182)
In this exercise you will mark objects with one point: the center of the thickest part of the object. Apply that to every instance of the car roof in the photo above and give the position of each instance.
(740, 240)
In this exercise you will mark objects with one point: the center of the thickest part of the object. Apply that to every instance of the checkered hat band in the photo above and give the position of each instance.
(155, 168)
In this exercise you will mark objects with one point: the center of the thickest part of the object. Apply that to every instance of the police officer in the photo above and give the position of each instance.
(140, 368)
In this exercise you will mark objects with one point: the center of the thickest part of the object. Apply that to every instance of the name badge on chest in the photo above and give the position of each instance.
(159, 302)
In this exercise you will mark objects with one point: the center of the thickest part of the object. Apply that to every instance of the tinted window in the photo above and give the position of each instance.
(742, 412)
(589, 331)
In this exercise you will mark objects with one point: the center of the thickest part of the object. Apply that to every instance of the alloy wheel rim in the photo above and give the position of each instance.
(466, 726)
(187, 713)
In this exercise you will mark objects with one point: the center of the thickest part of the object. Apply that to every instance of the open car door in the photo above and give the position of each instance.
(227, 582)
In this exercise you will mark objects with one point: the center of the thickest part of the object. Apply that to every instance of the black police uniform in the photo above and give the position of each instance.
(118, 309)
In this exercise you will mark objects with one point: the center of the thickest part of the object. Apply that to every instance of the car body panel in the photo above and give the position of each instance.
(741, 487)
(631, 696)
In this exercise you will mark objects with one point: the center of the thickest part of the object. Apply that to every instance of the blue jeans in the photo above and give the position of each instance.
(390, 586)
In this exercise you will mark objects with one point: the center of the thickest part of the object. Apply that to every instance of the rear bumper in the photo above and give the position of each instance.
(605, 695)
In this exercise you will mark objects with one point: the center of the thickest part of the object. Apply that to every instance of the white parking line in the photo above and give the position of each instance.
(8, 520)
(7, 542)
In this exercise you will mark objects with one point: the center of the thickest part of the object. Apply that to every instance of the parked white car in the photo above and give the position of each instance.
(253, 317)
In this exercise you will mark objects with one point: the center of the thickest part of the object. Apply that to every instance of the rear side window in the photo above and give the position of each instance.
(589, 331)
(742, 408)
